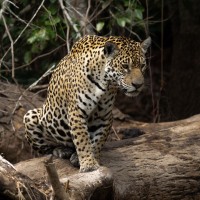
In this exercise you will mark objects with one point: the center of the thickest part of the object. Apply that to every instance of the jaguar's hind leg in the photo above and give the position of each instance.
(34, 132)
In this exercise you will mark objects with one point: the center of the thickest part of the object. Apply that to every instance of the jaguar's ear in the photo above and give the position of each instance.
(110, 49)
(145, 44)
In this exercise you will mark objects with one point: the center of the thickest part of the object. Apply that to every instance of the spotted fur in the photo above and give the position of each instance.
(78, 110)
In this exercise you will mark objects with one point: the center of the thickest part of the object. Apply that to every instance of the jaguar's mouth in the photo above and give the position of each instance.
(131, 93)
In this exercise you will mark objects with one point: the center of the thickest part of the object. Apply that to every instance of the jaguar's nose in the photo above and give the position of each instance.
(136, 85)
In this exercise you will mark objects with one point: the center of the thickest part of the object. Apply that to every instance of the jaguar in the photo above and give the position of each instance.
(76, 117)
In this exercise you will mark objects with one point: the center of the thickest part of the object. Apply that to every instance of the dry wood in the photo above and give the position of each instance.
(14, 185)
(162, 163)
(152, 161)
(59, 191)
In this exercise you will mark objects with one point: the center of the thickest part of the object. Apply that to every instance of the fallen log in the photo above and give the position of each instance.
(151, 161)
(14, 185)
(161, 163)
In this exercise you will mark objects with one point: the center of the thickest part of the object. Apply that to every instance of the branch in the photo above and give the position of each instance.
(49, 71)
(96, 13)
(39, 87)
(59, 191)
(11, 46)
(67, 16)
(3, 8)
(1, 60)
(84, 20)
(35, 59)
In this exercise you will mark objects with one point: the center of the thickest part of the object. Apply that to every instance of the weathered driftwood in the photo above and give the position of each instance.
(14, 103)
(157, 161)
(14, 185)
(161, 162)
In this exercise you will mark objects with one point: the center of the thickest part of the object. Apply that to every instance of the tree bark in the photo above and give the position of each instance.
(13, 145)
(151, 161)
(158, 161)
(14, 185)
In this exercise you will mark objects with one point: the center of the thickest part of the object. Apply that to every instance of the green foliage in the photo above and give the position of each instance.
(130, 13)
(99, 26)
(48, 30)
(44, 34)
(124, 14)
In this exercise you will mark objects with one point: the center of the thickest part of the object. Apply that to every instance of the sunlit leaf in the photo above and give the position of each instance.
(38, 36)
(121, 21)
(138, 13)
(99, 26)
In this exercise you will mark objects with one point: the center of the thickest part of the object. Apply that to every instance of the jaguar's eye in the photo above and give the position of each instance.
(125, 66)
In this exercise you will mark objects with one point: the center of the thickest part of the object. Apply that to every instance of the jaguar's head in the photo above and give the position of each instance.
(126, 63)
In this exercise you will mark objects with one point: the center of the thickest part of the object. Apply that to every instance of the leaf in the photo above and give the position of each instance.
(99, 26)
(138, 13)
(31, 39)
(27, 57)
(53, 9)
(53, 21)
(51, 33)
(121, 21)
(38, 36)
(105, 4)
(37, 47)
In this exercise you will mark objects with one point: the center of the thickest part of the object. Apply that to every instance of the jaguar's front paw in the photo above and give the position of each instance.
(74, 160)
(63, 152)
(89, 165)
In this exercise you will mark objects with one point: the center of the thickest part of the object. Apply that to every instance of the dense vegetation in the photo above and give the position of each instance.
(43, 32)
(35, 35)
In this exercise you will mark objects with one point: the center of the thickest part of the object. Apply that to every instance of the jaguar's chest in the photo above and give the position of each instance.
(55, 120)
(99, 101)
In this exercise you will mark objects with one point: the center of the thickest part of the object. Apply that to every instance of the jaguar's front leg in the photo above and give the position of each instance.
(99, 130)
(82, 142)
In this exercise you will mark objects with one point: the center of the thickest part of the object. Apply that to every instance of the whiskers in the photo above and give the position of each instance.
(123, 85)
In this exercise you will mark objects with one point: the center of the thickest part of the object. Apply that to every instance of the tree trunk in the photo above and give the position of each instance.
(184, 83)
(160, 162)
(151, 161)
